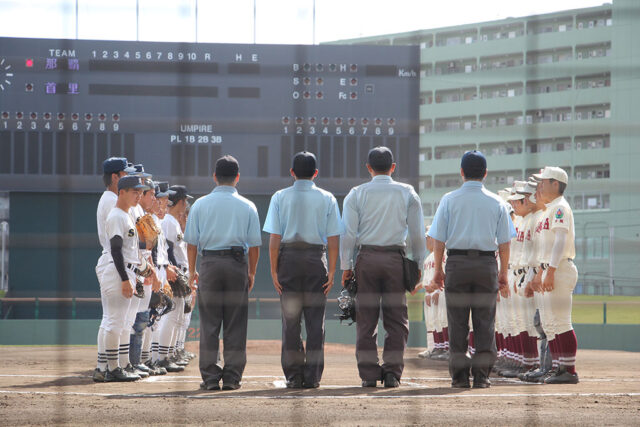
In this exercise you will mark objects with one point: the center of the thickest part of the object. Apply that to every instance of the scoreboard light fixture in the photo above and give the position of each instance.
(285, 120)
(60, 116)
(47, 116)
(75, 116)
(319, 95)
(312, 120)
(333, 67)
(33, 115)
(325, 121)
(338, 121)
(19, 115)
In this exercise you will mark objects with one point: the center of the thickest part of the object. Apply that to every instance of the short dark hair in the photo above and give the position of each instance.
(227, 167)
(380, 159)
(473, 164)
(304, 165)
(226, 180)
(561, 185)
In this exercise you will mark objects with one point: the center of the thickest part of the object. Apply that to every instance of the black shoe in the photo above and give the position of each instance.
(119, 375)
(179, 361)
(435, 353)
(390, 380)
(460, 384)
(562, 377)
(369, 383)
(230, 386)
(481, 382)
(98, 375)
(295, 382)
(142, 367)
(169, 366)
(132, 371)
(552, 373)
(210, 386)
(310, 385)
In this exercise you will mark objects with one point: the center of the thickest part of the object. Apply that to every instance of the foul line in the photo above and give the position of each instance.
(285, 397)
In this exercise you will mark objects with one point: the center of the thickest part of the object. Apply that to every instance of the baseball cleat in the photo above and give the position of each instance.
(369, 383)
(390, 380)
(424, 354)
(295, 382)
(562, 377)
(98, 375)
(119, 375)
(133, 371)
(142, 367)
(169, 366)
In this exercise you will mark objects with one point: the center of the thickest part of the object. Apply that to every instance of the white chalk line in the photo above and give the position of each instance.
(231, 395)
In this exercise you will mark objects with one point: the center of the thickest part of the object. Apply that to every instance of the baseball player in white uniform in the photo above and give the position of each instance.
(113, 169)
(560, 273)
(426, 279)
(117, 279)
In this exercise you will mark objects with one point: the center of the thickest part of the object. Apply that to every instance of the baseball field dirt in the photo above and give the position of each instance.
(53, 385)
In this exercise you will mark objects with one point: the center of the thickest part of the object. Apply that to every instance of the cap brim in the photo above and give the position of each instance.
(129, 170)
(538, 176)
(141, 187)
(140, 174)
(515, 197)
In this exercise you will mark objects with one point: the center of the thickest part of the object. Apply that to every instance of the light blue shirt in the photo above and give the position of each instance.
(303, 213)
(382, 212)
(472, 217)
(222, 219)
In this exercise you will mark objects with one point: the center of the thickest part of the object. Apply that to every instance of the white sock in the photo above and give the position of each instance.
(111, 342)
(102, 354)
(123, 353)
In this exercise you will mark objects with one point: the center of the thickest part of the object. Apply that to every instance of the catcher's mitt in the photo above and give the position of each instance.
(180, 286)
(166, 289)
(347, 301)
(159, 305)
(148, 230)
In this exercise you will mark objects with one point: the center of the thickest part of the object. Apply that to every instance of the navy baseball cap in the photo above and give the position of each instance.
(304, 164)
(227, 166)
(139, 171)
(115, 165)
(473, 164)
(131, 181)
(179, 192)
(380, 159)
(162, 189)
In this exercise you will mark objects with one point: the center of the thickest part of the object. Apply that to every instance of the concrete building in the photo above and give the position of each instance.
(558, 89)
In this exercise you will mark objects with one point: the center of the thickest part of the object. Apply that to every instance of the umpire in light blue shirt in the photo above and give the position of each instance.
(382, 218)
(224, 227)
(303, 219)
(472, 223)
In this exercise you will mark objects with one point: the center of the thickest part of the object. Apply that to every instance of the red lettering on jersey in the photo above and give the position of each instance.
(546, 224)
(528, 234)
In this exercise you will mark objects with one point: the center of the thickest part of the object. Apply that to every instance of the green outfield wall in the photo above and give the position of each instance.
(83, 332)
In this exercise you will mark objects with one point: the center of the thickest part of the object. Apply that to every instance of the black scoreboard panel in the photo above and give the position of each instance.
(66, 105)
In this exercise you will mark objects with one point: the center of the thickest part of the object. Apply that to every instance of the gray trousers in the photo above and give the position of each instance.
(223, 303)
(379, 276)
(471, 285)
(302, 272)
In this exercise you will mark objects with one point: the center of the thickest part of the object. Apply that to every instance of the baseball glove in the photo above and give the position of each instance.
(180, 286)
(147, 229)
(139, 292)
(347, 301)
(159, 305)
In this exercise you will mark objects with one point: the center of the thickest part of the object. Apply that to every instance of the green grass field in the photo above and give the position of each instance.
(586, 309)
(620, 309)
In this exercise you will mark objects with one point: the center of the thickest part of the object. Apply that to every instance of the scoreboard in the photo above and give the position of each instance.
(66, 105)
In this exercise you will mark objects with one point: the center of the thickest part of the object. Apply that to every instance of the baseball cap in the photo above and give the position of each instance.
(380, 159)
(473, 164)
(227, 166)
(504, 194)
(179, 192)
(162, 189)
(131, 181)
(518, 186)
(115, 165)
(528, 188)
(552, 172)
(304, 164)
(139, 171)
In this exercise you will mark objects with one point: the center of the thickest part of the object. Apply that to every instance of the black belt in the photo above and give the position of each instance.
(221, 252)
(133, 267)
(394, 248)
(471, 252)
(302, 246)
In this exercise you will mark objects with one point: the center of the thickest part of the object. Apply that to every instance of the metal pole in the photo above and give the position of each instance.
(196, 21)
(4, 226)
(254, 21)
(76, 19)
(604, 313)
(314, 22)
(611, 255)
(137, 20)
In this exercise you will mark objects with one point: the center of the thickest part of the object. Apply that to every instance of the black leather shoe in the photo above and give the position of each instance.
(562, 377)
(295, 382)
(210, 386)
(390, 380)
(119, 375)
(369, 383)
(230, 386)
(169, 366)
(310, 385)
(481, 382)
(460, 383)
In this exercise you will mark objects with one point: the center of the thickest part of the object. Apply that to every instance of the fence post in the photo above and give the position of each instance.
(36, 313)
(604, 313)
(73, 308)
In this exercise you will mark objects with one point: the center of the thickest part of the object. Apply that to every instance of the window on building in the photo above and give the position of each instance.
(591, 201)
(502, 32)
(501, 61)
(452, 152)
(562, 114)
(592, 172)
(467, 65)
(426, 98)
(554, 25)
(455, 123)
(500, 120)
(447, 181)
(503, 178)
(598, 50)
(456, 37)
(591, 142)
(593, 81)
(594, 20)
(550, 56)
(501, 148)
(548, 86)
(506, 90)
(456, 95)
(593, 112)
